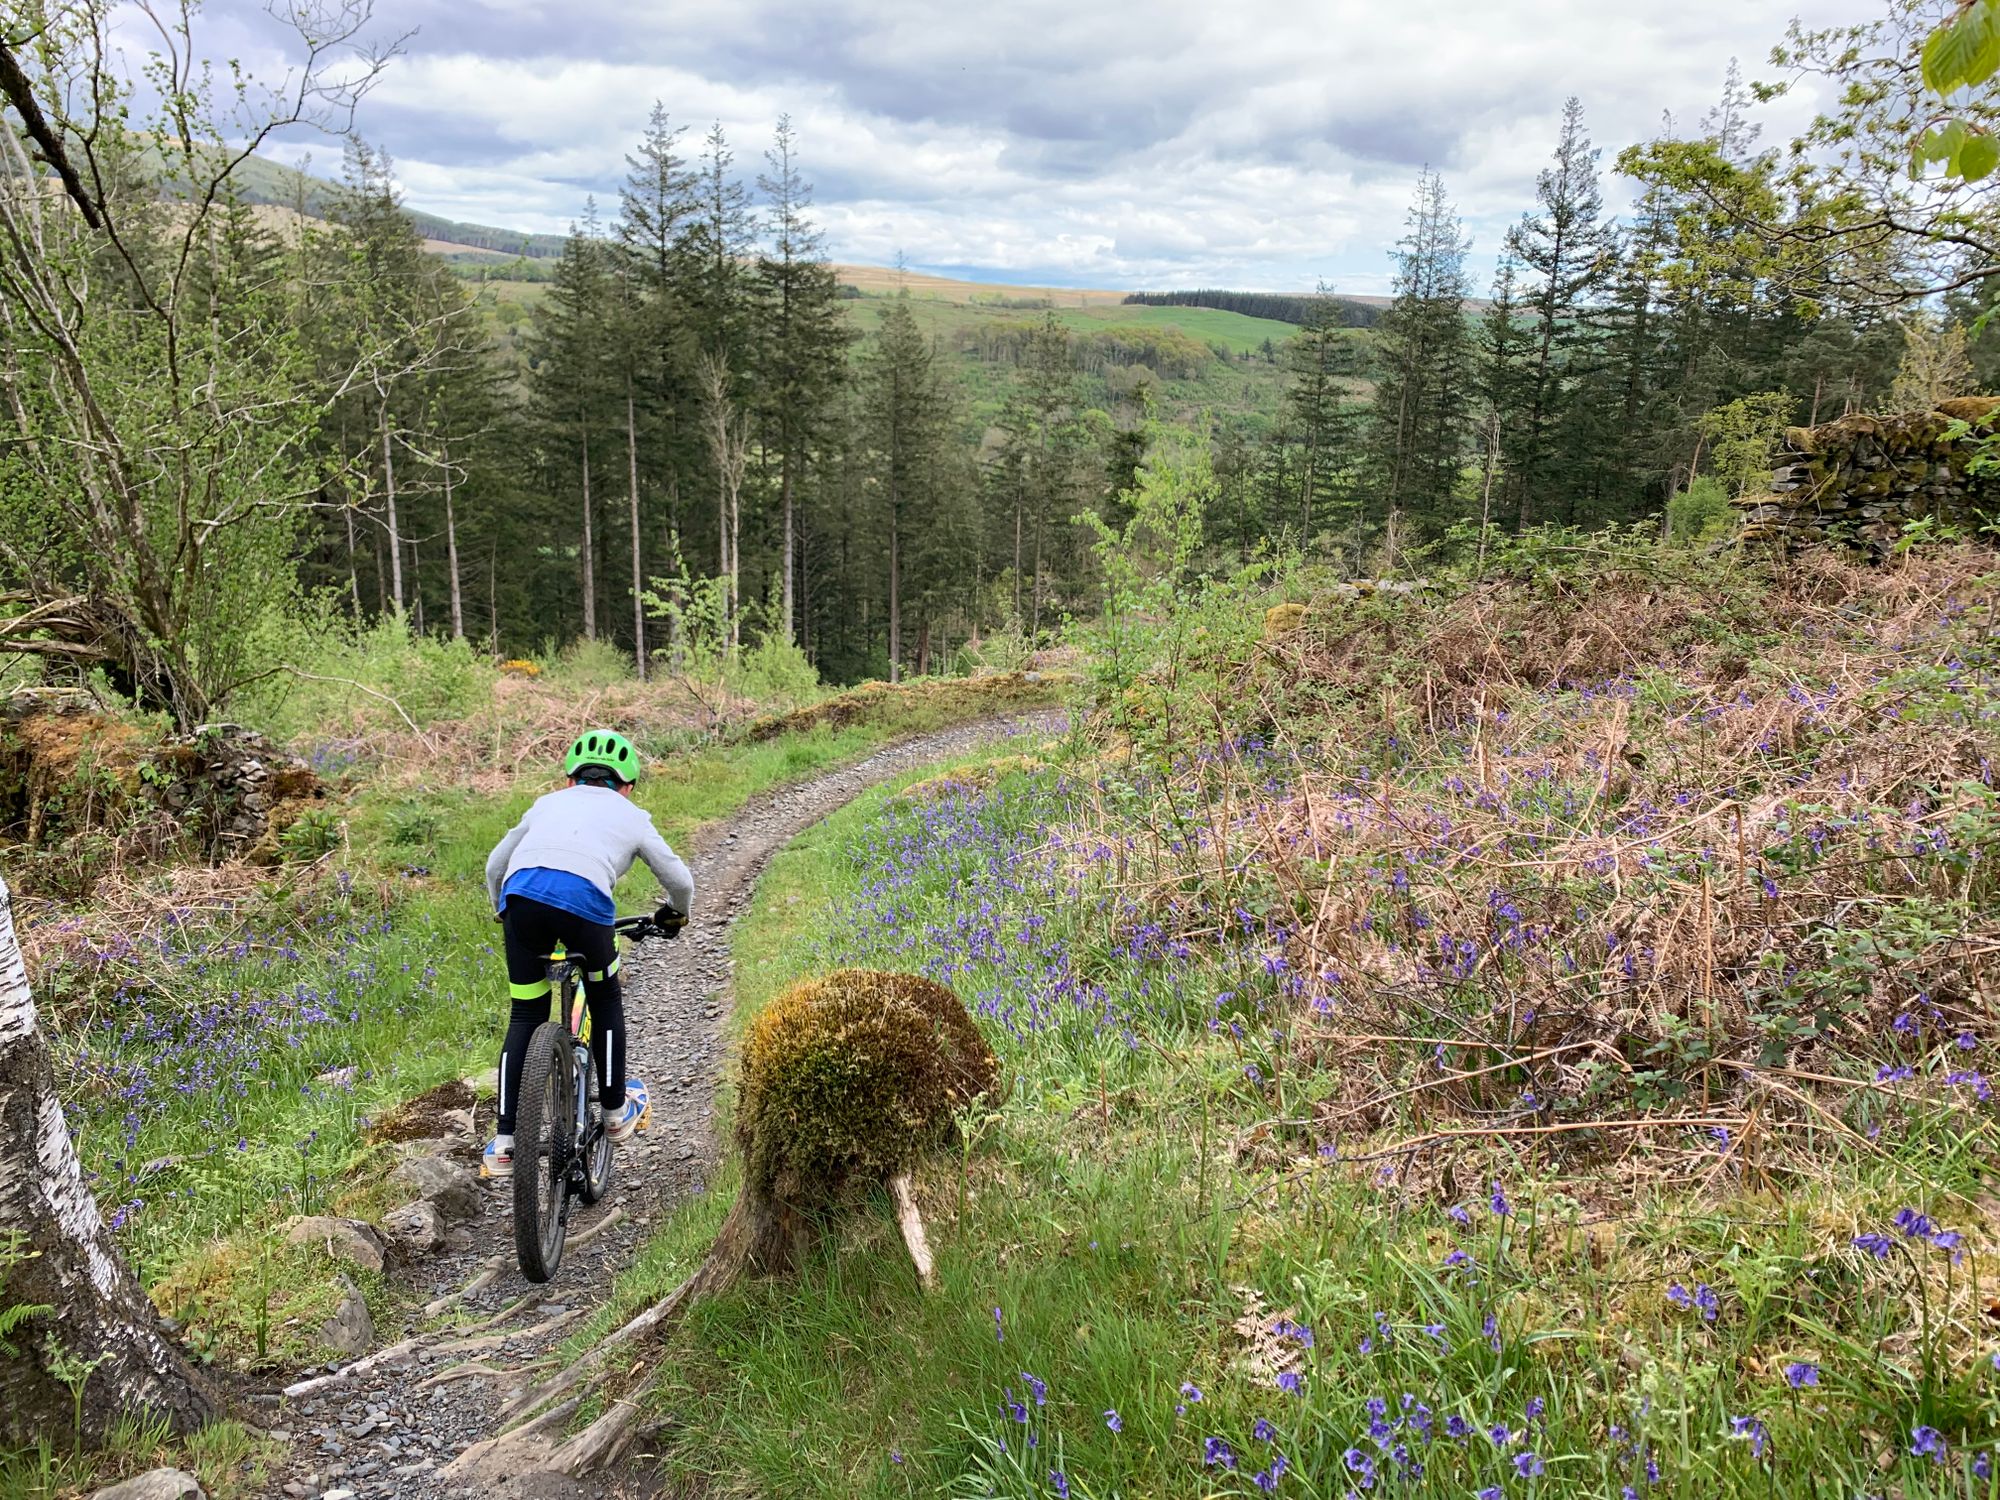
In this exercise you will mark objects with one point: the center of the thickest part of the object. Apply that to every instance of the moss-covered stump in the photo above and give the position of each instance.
(1859, 481)
(847, 1079)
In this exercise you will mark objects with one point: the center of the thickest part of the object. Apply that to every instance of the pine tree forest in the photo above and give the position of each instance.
(690, 444)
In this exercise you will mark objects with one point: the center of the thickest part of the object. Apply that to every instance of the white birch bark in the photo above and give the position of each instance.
(63, 1258)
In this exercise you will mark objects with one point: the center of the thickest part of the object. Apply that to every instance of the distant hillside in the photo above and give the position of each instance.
(264, 181)
(1283, 307)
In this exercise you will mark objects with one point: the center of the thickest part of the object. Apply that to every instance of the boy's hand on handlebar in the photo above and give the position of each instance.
(669, 920)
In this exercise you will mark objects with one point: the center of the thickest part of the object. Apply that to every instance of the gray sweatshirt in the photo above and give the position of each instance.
(593, 832)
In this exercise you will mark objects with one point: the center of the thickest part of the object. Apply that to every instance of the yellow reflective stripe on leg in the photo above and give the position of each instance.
(533, 991)
(598, 976)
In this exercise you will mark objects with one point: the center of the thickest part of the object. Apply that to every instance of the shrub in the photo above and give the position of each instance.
(1700, 511)
(850, 1075)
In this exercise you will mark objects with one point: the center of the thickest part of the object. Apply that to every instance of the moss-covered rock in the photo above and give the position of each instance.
(1282, 620)
(853, 1075)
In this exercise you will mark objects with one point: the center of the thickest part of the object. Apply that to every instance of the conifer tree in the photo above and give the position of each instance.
(1423, 355)
(654, 358)
(803, 348)
(1566, 250)
(1320, 424)
(902, 409)
(1504, 346)
(570, 388)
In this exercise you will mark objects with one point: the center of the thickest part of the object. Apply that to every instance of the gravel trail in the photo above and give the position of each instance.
(388, 1432)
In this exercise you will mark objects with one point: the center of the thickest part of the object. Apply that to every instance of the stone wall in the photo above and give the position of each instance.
(1859, 481)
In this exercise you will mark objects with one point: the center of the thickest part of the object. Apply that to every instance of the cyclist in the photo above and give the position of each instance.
(550, 880)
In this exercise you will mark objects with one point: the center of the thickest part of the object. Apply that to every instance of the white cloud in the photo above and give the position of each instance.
(1267, 143)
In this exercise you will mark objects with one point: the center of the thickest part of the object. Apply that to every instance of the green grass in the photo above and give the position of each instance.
(228, 1459)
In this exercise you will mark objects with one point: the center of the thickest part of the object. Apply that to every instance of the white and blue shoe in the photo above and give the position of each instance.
(636, 1114)
(497, 1160)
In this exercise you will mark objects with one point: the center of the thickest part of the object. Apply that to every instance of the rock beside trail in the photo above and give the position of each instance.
(416, 1225)
(345, 1239)
(444, 1184)
(350, 1330)
(158, 1484)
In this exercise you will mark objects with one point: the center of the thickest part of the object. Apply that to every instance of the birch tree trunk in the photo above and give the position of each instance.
(787, 561)
(589, 552)
(389, 496)
(451, 556)
(64, 1259)
(638, 561)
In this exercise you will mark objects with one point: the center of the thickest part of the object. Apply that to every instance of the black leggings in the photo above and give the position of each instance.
(533, 929)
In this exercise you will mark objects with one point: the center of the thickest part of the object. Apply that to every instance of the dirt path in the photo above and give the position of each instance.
(388, 1432)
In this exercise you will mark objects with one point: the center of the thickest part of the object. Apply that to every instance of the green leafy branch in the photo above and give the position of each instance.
(1963, 52)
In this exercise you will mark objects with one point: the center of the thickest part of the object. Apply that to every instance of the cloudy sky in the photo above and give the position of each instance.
(1255, 144)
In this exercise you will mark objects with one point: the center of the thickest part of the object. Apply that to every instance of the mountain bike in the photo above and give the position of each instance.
(561, 1150)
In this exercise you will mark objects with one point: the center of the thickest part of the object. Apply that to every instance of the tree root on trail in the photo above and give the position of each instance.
(511, 1449)
(762, 1234)
(479, 1283)
(520, 1303)
(586, 1236)
(300, 1388)
(603, 1440)
(646, 1321)
(464, 1370)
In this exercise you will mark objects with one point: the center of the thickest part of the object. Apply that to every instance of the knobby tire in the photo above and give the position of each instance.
(544, 1130)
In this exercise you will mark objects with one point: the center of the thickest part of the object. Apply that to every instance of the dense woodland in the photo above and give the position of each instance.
(689, 448)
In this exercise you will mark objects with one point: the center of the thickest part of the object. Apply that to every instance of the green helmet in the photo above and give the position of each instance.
(603, 747)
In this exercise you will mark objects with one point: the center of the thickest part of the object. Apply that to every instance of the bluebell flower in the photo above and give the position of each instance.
(1753, 1430)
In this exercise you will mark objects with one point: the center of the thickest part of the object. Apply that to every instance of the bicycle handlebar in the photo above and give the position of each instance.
(641, 927)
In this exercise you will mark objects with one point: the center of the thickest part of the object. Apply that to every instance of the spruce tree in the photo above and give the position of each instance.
(1319, 425)
(571, 386)
(656, 204)
(1566, 250)
(803, 347)
(902, 409)
(1423, 356)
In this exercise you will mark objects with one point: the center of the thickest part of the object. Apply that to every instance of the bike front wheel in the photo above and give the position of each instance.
(544, 1140)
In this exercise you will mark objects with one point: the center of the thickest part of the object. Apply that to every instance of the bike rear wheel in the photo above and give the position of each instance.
(544, 1139)
(590, 1119)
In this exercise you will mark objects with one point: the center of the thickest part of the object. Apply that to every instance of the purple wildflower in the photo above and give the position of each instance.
(1752, 1429)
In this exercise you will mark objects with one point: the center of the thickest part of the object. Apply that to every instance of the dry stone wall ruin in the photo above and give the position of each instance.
(1860, 481)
